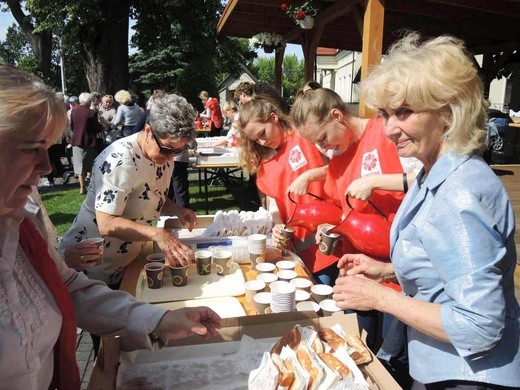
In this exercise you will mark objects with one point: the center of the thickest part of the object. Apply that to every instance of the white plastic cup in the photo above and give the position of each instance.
(286, 275)
(265, 267)
(321, 291)
(329, 307)
(285, 264)
(253, 287)
(262, 301)
(301, 284)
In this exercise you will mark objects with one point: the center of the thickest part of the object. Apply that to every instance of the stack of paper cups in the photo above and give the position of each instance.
(257, 247)
(282, 297)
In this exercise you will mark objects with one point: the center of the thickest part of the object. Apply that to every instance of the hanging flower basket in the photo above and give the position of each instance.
(269, 48)
(269, 41)
(306, 23)
(303, 14)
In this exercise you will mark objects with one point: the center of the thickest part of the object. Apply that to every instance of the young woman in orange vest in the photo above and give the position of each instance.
(281, 159)
(212, 113)
(368, 165)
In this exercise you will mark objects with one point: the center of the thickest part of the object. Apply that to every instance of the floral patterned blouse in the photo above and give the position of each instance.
(126, 184)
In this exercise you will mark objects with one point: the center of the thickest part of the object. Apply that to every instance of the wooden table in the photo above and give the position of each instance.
(224, 172)
(129, 283)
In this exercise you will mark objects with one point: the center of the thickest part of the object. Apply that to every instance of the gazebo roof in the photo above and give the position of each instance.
(487, 26)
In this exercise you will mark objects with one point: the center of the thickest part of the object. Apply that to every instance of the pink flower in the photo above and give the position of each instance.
(300, 15)
(284, 6)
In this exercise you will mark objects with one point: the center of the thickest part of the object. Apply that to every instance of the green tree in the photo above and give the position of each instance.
(292, 74)
(38, 36)
(178, 49)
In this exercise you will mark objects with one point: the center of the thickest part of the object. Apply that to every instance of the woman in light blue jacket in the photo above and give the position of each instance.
(128, 113)
(452, 240)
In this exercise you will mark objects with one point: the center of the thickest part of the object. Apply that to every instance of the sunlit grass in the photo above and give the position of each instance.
(63, 202)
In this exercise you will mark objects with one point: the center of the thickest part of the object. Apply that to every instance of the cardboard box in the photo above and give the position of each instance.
(194, 239)
(220, 155)
(259, 326)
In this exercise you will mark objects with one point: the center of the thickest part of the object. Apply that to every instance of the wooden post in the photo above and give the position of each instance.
(372, 44)
(278, 62)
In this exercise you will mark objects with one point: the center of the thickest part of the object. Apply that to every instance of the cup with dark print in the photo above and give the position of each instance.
(154, 274)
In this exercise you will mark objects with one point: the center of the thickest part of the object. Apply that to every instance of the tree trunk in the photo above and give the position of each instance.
(104, 48)
(41, 42)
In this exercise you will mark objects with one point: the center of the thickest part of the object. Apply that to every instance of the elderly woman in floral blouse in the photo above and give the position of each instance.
(129, 189)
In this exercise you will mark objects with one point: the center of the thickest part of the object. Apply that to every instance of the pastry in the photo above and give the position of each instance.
(361, 354)
(291, 338)
(332, 338)
(335, 364)
(309, 363)
(286, 376)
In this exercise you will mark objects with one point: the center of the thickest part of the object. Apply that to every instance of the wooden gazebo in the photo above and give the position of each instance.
(489, 27)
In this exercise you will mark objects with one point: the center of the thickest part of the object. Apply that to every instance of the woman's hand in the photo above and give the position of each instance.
(82, 255)
(325, 226)
(186, 217)
(362, 188)
(279, 240)
(174, 250)
(360, 264)
(357, 292)
(186, 322)
(300, 184)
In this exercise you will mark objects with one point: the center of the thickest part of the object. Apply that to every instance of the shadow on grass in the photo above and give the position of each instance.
(61, 218)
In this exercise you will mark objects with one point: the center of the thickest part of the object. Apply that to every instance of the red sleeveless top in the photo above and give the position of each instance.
(275, 175)
(216, 114)
(373, 154)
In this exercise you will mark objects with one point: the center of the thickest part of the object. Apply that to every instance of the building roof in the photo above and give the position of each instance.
(486, 26)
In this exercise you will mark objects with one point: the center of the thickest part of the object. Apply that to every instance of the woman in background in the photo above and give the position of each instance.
(127, 114)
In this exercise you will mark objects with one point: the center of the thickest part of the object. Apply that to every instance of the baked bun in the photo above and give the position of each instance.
(317, 345)
(286, 376)
(334, 340)
(291, 338)
(335, 364)
(361, 354)
(309, 363)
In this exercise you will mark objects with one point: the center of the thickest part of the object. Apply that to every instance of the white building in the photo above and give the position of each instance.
(339, 70)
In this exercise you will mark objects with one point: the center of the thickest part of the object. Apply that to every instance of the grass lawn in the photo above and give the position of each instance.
(63, 202)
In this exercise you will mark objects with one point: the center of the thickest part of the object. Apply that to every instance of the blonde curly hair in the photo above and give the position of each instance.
(437, 75)
(258, 109)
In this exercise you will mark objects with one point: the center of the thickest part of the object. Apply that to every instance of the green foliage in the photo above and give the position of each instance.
(292, 74)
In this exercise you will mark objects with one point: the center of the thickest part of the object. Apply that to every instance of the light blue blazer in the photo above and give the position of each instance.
(452, 243)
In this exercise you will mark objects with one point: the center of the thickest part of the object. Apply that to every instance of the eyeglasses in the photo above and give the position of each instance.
(166, 150)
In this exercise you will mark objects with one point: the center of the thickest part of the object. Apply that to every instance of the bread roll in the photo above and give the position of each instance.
(335, 364)
(332, 338)
(317, 345)
(309, 363)
(286, 377)
(291, 338)
(299, 381)
(361, 354)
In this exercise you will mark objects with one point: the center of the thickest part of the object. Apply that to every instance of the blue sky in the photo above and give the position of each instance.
(6, 20)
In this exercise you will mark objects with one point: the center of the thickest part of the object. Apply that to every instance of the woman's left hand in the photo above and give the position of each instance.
(361, 188)
(187, 217)
(357, 292)
(188, 321)
(300, 184)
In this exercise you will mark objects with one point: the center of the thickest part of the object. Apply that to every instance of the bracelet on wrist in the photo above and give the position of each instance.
(405, 182)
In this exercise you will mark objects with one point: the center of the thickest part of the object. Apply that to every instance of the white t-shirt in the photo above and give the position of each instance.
(126, 184)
